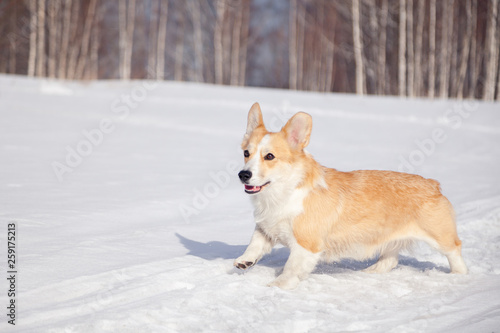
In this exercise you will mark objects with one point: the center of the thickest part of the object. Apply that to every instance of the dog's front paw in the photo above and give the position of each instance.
(285, 282)
(243, 264)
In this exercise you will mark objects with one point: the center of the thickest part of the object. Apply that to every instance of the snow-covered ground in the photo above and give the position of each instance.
(129, 213)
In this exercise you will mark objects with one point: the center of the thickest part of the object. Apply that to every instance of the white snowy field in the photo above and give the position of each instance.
(129, 213)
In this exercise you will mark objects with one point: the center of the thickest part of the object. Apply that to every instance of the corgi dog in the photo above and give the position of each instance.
(322, 214)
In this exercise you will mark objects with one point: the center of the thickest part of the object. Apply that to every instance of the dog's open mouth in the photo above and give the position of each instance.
(250, 189)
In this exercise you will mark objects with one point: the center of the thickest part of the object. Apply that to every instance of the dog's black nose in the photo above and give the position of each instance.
(245, 175)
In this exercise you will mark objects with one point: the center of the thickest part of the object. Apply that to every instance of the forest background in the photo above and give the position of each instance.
(414, 48)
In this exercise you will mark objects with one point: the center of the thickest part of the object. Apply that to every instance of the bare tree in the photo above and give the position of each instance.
(13, 40)
(445, 48)
(194, 10)
(54, 29)
(464, 59)
(93, 71)
(179, 42)
(75, 46)
(218, 47)
(492, 52)
(384, 13)
(84, 53)
(40, 59)
(402, 48)
(292, 45)
(235, 44)
(63, 52)
(473, 62)
(162, 33)
(432, 49)
(244, 41)
(358, 47)
(411, 54)
(126, 26)
(418, 47)
(300, 44)
(153, 38)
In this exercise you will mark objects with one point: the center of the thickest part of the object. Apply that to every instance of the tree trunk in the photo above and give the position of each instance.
(432, 49)
(384, 13)
(411, 54)
(218, 49)
(84, 52)
(300, 45)
(40, 63)
(126, 26)
(130, 37)
(235, 44)
(153, 39)
(473, 43)
(53, 11)
(162, 34)
(179, 43)
(13, 40)
(194, 10)
(464, 59)
(418, 48)
(244, 41)
(446, 35)
(75, 45)
(63, 53)
(358, 46)
(402, 49)
(292, 45)
(93, 72)
(492, 52)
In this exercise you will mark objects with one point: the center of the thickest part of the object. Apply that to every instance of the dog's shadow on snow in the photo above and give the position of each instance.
(278, 257)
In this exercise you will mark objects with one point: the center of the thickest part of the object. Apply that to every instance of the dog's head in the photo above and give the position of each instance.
(272, 160)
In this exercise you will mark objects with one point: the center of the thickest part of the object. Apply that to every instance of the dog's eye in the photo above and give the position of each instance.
(269, 157)
(246, 153)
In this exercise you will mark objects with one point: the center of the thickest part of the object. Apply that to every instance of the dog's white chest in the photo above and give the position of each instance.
(275, 217)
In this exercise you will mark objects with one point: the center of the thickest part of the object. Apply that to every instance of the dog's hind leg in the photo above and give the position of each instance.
(386, 262)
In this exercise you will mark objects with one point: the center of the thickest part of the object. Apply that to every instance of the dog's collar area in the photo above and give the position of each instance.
(250, 189)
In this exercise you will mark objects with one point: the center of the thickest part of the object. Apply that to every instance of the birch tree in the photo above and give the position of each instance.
(153, 37)
(419, 36)
(162, 33)
(432, 49)
(384, 14)
(84, 52)
(358, 57)
(292, 45)
(411, 69)
(244, 41)
(40, 59)
(218, 47)
(473, 62)
(53, 21)
(179, 42)
(402, 49)
(492, 52)
(464, 59)
(195, 12)
(126, 34)
(446, 34)
(63, 51)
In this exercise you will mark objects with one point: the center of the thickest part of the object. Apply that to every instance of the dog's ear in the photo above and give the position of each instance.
(254, 118)
(298, 130)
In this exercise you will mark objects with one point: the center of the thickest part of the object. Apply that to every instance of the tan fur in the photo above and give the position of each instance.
(335, 214)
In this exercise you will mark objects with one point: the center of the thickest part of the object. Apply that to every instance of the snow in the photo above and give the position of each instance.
(129, 213)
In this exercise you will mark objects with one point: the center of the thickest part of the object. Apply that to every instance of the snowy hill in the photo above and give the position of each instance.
(128, 211)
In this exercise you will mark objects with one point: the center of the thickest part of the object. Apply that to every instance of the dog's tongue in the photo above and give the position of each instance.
(250, 188)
